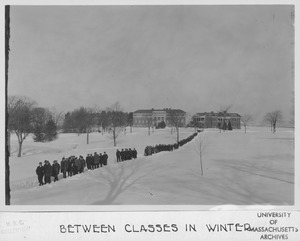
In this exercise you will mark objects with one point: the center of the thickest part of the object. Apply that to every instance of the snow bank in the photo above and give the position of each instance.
(239, 169)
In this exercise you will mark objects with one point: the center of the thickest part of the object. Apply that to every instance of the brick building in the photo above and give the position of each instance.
(216, 120)
(151, 117)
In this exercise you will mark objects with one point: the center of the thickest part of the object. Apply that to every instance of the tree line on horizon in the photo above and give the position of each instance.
(26, 117)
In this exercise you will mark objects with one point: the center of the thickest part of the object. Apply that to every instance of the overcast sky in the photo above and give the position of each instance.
(196, 58)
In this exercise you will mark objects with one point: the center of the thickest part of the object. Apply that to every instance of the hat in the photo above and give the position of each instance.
(40, 163)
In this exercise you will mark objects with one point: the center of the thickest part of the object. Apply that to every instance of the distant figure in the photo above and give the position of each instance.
(92, 161)
(96, 160)
(105, 157)
(82, 164)
(55, 170)
(88, 161)
(40, 171)
(77, 165)
(48, 171)
(70, 167)
(101, 160)
(122, 155)
(64, 167)
(118, 154)
(134, 153)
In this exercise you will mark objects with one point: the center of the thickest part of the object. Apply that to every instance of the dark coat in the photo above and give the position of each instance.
(64, 164)
(70, 165)
(55, 169)
(88, 162)
(48, 170)
(40, 171)
(96, 159)
(105, 157)
(92, 160)
(77, 163)
(82, 163)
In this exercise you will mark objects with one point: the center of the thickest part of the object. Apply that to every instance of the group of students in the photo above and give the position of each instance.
(149, 150)
(126, 154)
(69, 166)
(72, 165)
(47, 171)
(96, 160)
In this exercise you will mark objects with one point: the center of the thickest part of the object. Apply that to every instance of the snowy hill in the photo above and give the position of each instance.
(239, 169)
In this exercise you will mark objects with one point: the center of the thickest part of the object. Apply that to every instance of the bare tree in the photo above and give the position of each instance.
(199, 148)
(245, 119)
(225, 108)
(274, 117)
(176, 119)
(84, 118)
(20, 117)
(130, 120)
(98, 117)
(89, 120)
(58, 117)
(117, 120)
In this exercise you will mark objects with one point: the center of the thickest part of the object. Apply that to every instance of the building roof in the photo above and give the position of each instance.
(218, 114)
(168, 110)
(143, 111)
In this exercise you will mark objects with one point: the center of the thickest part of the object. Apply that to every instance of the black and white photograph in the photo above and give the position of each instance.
(150, 105)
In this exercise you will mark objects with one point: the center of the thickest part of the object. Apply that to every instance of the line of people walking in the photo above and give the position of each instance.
(69, 166)
(149, 150)
(96, 160)
(126, 154)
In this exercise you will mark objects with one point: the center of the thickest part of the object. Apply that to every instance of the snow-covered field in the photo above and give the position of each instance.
(239, 169)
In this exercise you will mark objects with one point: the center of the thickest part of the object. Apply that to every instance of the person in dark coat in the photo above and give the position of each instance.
(82, 164)
(118, 154)
(40, 171)
(134, 153)
(122, 155)
(70, 167)
(76, 166)
(55, 170)
(64, 167)
(88, 161)
(101, 160)
(48, 172)
(92, 162)
(130, 154)
(96, 160)
(105, 157)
